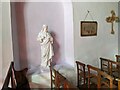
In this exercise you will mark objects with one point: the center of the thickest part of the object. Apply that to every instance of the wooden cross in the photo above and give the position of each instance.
(111, 20)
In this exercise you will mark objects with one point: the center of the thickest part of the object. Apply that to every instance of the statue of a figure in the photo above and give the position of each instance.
(46, 41)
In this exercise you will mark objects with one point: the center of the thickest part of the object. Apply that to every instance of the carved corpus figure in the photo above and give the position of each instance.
(46, 41)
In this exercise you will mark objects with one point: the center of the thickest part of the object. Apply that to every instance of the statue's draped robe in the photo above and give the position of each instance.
(46, 41)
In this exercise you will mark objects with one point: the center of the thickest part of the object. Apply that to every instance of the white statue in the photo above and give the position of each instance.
(46, 42)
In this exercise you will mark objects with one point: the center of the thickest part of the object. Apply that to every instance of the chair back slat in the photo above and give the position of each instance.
(105, 65)
(93, 76)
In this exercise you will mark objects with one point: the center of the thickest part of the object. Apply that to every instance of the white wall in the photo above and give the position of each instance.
(90, 49)
(15, 37)
(67, 41)
(7, 55)
(0, 41)
(69, 37)
(37, 14)
(31, 16)
(119, 28)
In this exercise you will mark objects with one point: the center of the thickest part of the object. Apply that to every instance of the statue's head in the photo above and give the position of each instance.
(45, 28)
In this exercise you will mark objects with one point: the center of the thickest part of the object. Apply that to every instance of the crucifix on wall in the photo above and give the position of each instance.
(111, 19)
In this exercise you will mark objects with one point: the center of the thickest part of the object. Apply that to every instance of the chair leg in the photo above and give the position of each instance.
(84, 80)
(51, 86)
(80, 81)
(88, 82)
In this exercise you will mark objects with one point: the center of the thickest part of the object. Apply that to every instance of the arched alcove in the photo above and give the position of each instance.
(27, 21)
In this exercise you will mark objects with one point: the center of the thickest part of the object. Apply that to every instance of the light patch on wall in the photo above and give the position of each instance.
(95, 0)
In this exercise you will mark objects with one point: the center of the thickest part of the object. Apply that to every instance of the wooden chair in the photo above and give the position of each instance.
(82, 75)
(93, 76)
(117, 58)
(113, 67)
(106, 81)
(115, 72)
(105, 65)
(110, 67)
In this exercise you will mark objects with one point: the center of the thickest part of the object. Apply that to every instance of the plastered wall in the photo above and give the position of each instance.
(119, 28)
(64, 25)
(0, 42)
(27, 21)
(7, 51)
(90, 49)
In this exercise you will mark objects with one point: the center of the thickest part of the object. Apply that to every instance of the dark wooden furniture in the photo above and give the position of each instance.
(18, 79)
(82, 75)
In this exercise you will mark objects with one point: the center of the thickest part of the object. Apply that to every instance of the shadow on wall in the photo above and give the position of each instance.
(56, 49)
(18, 31)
